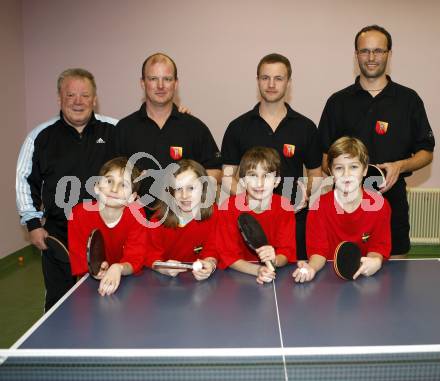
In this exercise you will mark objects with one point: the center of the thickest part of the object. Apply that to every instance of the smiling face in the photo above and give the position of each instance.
(259, 183)
(188, 191)
(348, 173)
(114, 189)
(372, 54)
(159, 83)
(77, 100)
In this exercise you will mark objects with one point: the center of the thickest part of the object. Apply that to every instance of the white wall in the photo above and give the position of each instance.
(13, 121)
(217, 46)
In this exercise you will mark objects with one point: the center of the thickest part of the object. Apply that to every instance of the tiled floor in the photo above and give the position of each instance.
(22, 290)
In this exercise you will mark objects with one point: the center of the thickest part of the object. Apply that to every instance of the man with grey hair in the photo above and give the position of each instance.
(55, 162)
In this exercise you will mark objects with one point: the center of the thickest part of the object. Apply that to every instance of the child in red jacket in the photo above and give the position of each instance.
(259, 173)
(348, 213)
(183, 229)
(116, 215)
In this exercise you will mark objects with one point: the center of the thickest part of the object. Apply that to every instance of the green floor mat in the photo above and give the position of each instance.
(21, 294)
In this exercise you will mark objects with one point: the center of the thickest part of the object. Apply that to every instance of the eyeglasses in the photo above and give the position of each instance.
(379, 53)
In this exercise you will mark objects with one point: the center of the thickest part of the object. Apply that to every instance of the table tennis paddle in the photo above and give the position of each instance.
(178, 265)
(253, 234)
(347, 260)
(95, 252)
(57, 248)
(378, 177)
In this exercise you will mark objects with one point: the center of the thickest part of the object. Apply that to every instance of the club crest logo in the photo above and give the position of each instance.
(365, 237)
(381, 127)
(176, 153)
(288, 150)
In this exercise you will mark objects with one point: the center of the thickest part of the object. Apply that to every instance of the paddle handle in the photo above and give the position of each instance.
(173, 265)
(270, 265)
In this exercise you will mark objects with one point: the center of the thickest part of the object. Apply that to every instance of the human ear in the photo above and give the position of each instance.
(132, 197)
(364, 173)
(96, 188)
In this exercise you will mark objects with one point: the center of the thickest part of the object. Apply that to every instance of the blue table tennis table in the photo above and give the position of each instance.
(155, 327)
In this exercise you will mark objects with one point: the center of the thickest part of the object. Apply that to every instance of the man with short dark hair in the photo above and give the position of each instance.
(72, 148)
(389, 119)
(273, 123)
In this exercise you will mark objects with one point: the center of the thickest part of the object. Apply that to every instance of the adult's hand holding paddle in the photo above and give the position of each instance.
(38, 237)
(392, 172)
(57, 249)
(375, 179)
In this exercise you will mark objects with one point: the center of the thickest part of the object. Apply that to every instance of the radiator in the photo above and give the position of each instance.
(424, 215)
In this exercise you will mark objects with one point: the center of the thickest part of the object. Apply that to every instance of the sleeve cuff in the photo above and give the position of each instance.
(33, 224)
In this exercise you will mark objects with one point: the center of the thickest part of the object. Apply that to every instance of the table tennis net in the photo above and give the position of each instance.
(398, 367)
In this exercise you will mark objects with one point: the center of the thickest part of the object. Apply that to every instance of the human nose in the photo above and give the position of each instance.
(186, 193)
(371, 55)
(114, 187)
(271, 82)
(77, 99)
(160, 83)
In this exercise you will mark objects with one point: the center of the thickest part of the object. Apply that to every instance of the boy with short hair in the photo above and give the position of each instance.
(116, 215)
(259, 173)
(348, 213)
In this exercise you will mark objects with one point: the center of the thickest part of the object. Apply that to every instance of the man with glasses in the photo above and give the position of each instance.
(273, 123)
(160, 130)
(389, 119)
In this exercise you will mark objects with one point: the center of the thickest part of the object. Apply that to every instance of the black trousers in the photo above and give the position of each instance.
(300, 220)
(397, 198)
(58, 278)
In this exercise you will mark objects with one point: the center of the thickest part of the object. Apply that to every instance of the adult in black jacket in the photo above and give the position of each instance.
(54, 164)
(161, 131)
(390, 119)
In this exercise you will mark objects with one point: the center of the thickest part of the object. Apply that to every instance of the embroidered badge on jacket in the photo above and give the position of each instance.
(288, 150)
(381, 127)
(176, 153)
